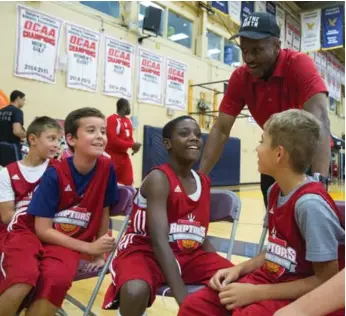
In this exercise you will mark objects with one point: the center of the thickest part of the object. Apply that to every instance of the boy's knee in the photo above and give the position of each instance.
(135, 290)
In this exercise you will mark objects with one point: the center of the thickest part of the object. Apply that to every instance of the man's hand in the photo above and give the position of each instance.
(101, 245)
(136, 147)
(94, 265)
(237, 295)
(223, 277)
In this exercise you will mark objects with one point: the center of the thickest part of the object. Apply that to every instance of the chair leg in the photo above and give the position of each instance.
(105, 268)
(78, 304)
(61, 312)
(262, 240)
(232, 238)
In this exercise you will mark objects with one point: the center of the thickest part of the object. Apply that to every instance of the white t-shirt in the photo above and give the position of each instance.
(30, 174)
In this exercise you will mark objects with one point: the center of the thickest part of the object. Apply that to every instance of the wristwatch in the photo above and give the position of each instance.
(324, 180)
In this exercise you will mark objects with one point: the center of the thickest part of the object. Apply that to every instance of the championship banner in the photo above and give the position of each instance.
(247, 7)
(260, 6)
(83, 57)
(234, 10)
(280, 20)
(150, 77)
(37, 46)
(118, 66)
(292, 34)
(332, 27)
(311, 28)
(176, 79)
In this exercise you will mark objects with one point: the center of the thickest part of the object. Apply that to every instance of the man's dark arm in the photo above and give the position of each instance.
(216, 141)
(156, 189)
(317, 105)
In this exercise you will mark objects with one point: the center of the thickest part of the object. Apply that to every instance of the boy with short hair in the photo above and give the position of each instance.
(68, 211)
(166, 240)
(306, 235)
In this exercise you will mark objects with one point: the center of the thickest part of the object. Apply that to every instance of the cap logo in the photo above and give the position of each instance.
(251, 21)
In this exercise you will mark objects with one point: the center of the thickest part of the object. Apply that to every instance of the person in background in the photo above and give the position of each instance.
(271, 80)
(11, 127)
(120, 139)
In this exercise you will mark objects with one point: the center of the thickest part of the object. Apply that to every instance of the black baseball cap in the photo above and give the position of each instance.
(258, 25)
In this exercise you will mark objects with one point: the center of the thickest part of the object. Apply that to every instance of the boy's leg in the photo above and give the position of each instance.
(136, 276)
(57, 271)
(19, 269)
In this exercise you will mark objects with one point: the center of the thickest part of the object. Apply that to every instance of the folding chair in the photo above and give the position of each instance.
(341, 207)
(225, 207)
(124, 207)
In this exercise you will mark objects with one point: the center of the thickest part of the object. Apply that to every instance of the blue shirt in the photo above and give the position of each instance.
(45, 200)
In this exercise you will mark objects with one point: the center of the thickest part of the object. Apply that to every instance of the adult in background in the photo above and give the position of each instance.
(120, 139)
(11, 128)
(272, 80)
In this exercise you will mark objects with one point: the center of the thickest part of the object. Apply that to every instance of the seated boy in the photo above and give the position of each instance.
(19, 179)
(68, 210)
(306, 237)
(166, 240)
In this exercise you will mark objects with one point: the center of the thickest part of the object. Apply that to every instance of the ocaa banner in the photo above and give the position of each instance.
(332, 27)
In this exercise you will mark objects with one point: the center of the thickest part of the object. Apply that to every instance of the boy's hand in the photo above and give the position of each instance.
(237, 295)
(94, 265)
(224, 277)
(101, 245)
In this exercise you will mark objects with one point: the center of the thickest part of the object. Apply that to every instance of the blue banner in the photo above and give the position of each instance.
(332, 27)
(271, 7)
(247, 7)
(220, 5)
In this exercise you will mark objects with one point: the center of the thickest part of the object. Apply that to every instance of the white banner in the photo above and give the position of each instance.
(118, 64)
(280, 20)
(311, 30)
(176, 79)
(83, 57)
(292, 34)
(260, 6)
(150, 77)
(37, 45)
(234, 10)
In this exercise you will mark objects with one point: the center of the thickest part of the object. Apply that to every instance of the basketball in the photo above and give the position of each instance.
(188, 244)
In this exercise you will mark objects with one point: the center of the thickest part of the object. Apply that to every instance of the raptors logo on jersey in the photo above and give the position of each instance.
(72, 220)
(279, 257)
(188, 233)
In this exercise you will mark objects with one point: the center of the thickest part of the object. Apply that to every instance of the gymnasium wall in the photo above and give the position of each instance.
(58, 100)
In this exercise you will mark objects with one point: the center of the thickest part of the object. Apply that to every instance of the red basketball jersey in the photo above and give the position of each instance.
(285, 257)
(188, 220)
(80, 216)
(23, 191)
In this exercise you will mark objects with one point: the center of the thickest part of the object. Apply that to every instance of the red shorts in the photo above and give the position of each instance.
(123, 168)
(49, 269)
(196, 268)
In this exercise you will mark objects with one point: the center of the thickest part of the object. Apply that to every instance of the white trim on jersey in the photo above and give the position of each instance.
(2, 258)
(14, 220)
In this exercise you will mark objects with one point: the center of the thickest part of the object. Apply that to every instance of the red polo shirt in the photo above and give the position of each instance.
(294, 81)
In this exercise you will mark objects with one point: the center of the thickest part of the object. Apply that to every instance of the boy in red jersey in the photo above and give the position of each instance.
(306, 235)
(166, 241)
(69, 209)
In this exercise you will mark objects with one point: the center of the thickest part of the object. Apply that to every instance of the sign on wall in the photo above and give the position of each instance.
(82, 55)
(118, 65)
(332, 27)
(220, 5)
(292, 34)
(311, 28)
(234, 10)
(150, 77)
(260, 6)
(37, 45)
(280, 20)
(247, 7)
(176, 79)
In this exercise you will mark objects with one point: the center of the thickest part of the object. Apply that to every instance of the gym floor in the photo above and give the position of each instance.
(249, 229)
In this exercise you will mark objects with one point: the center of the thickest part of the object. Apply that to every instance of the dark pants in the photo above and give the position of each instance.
(266, 182)
(9, 153)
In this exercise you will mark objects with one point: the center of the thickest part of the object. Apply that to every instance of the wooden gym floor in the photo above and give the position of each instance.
(249, 229)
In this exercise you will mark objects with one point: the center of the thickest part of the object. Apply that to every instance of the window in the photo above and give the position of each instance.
(214, 46)
(231, 53)
(179, 30)
(111, 8)
(142, 7)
